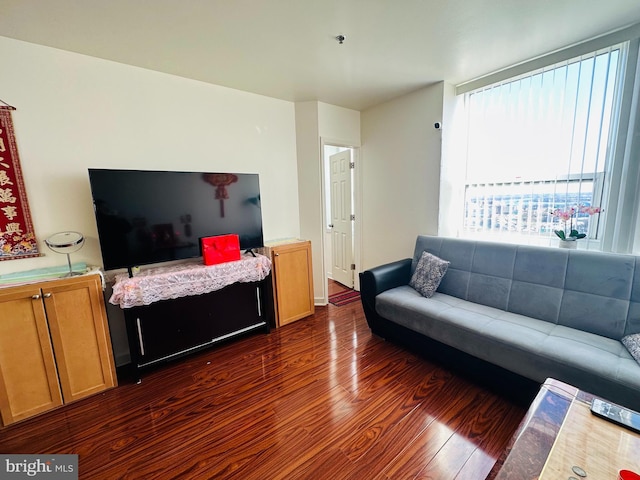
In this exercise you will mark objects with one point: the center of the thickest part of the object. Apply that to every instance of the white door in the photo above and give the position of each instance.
(341, 220)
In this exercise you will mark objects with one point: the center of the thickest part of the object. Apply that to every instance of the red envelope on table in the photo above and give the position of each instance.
(220, 249)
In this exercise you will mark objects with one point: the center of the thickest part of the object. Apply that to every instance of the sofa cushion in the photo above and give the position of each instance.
(632, 342)
(533, 348)
(591, 291)
(633, 318)
(428, 274)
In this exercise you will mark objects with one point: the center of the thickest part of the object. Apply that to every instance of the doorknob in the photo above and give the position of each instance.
(331, 225)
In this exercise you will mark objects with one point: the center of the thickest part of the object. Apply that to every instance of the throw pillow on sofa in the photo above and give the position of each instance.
(632, 342)
(428, 274)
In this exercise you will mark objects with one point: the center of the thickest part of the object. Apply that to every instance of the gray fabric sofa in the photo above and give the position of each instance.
(538, 312)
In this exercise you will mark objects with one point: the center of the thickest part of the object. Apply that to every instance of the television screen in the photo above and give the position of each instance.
(148, 216)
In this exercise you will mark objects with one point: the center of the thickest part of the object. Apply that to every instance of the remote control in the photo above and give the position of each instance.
(616, 414)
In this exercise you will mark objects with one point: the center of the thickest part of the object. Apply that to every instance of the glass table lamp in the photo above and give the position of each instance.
(67, 243)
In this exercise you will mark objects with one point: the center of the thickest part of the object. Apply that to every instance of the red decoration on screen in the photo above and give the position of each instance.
(220, 181)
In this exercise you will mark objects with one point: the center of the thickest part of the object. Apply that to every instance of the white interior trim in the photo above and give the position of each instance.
(357, 203)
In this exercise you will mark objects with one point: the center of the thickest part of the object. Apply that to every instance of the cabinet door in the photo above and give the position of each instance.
(165, 328)
(28, 376)
(169, 327)
(78, 325)
(293, 281)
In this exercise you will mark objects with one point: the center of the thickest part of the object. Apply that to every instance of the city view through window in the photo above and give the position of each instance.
(526, 208)
(539, 143)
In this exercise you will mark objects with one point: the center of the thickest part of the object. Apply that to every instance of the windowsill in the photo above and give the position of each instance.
(521, 239)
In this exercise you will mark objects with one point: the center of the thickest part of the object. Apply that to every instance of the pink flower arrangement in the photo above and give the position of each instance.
(567, 215)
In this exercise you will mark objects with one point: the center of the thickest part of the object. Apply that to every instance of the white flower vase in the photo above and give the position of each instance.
(570, 244)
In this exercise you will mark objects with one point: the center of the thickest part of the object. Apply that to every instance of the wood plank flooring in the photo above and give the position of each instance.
(321, 398)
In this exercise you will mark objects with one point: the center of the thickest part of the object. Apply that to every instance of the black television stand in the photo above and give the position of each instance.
(168, 329)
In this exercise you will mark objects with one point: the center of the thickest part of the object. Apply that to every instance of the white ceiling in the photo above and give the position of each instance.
(287, 48)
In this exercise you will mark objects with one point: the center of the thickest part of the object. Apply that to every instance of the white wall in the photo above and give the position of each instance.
(316, 121)
(453, 164)
(75, 112)
(338, 124)
(400, 174)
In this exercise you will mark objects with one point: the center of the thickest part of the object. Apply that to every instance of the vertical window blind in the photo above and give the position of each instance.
(539, 144)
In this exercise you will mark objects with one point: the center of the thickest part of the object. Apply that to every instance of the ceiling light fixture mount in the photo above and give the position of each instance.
(340, 38)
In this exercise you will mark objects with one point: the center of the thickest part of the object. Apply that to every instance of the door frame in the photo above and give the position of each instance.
(357, 208)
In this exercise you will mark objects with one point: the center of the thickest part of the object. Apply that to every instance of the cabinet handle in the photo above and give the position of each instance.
(276, 254)
(47, 295)
(258, 301)
(140, 337)
(35, 297)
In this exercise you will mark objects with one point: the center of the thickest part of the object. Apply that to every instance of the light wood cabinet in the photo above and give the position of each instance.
(292, 276)
(28, 374)
(55, 346)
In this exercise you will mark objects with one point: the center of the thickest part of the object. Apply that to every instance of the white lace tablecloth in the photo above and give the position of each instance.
(175, 281)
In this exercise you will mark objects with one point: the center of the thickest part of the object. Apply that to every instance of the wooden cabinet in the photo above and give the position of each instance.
(54, 345)
(292, 280)
(28, 374)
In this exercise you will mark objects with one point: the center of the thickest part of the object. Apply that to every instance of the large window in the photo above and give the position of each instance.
(539, 143)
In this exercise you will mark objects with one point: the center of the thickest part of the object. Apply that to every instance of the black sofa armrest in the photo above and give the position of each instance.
(379, 279)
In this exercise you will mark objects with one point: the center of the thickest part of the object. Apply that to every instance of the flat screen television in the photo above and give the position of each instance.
(146, 216)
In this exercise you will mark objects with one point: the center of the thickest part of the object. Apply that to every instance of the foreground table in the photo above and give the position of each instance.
(560, 433)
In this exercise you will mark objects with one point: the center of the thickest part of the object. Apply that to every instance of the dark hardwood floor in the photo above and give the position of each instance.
(321, 398)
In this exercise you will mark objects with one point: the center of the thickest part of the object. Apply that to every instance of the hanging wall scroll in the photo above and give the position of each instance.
(17, 238)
